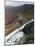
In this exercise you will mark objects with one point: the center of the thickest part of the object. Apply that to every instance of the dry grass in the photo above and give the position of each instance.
(22, 18)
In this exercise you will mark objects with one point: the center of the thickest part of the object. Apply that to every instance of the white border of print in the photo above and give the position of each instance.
(1, 22)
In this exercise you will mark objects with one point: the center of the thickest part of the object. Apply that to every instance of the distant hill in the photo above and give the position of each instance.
(25, 7)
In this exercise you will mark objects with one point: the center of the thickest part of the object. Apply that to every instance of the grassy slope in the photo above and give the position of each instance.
(20, 21)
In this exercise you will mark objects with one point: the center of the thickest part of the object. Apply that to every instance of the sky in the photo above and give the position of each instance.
(16, 3)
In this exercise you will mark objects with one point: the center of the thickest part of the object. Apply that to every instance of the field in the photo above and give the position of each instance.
(18, 22)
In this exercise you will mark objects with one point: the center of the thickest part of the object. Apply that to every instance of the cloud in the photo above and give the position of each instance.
(8, 3)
